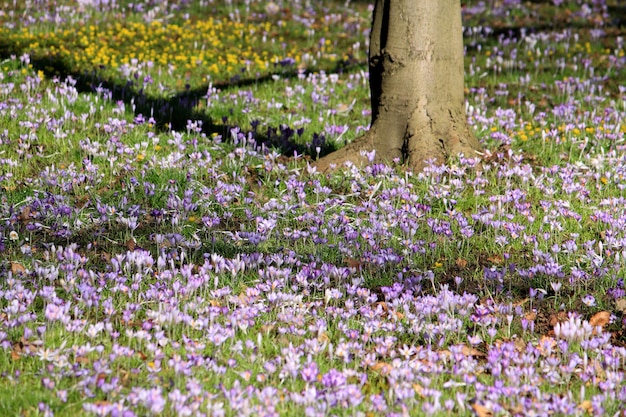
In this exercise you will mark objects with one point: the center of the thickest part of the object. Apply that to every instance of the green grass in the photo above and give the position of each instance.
(173, 180)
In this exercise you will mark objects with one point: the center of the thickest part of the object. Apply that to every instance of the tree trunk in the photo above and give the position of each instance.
(416, 82)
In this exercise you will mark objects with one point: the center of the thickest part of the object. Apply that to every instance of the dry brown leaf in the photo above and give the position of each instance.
(530, 316)
(29, 345)
(495, 259)
(419, 390)
(470, 351)
(520, 345)
(599, 369)
(381, 367)
(16, 352)
(323, 337)
(125, 376)
(481, 410)
(600, 319)
(559, 317)
(586, 406)
(343, 108)
(17, 268)
(544, 342)
(131, 323)
(521, 302)
(461, 263)
(383, 304)
(267, 328)
(101, 377)
(283, 341)
(24, 216)
(397, 315)
(131, 244)
(243, 297)
(386, 310)
(620, 305)
(354, 264)
(517, 410)
(82, 360)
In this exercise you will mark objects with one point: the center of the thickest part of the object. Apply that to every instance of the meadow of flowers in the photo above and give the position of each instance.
(148, 268)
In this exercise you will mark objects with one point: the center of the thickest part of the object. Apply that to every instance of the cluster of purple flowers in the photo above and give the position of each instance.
(171, 272)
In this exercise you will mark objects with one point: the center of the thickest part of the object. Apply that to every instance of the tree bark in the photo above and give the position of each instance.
(416, 82)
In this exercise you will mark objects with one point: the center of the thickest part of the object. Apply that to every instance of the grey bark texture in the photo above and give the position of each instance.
(416, 81)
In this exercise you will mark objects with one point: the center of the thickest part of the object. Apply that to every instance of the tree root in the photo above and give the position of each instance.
(352, 152)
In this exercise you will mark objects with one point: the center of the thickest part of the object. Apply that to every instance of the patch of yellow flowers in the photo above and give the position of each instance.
(529, 131)
(197, 49)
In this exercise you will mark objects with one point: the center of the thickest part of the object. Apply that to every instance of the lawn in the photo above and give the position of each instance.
(168, 248)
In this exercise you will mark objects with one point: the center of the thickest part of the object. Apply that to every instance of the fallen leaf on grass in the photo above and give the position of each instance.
(465, 350)
(267, 328)
(23, 346)
(470, 351)
(495, 259)
(521, 302)
(530, 316)
(481, 410)
(105, 256)
(283, 341)
(386, 310)
(323, 337)
(516, 410)
(381, 367)
(354, 264)
(419, 390)
(600, 319)
(559, 317)
(17, 268)
(397, 315)
(82, 360)
(520, 345)
(243, 297)
(125, 376)
(100, 378)
(343, 108)
(16, 352)
(382, 304)
(131, 244)
(24, 215)
(546, 344)
(586, 406)
(599, 370)
(461, 263)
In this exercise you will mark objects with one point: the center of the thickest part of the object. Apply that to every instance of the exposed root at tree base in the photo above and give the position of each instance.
(419, 150)
(352, 152)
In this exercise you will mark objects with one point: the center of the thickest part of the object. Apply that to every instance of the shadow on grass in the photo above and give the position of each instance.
(551, 21)
(175, 111)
